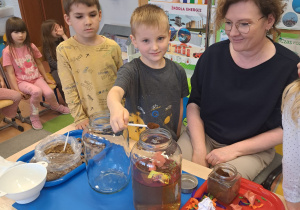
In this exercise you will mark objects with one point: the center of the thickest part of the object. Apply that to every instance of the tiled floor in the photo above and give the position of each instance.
(24, 106)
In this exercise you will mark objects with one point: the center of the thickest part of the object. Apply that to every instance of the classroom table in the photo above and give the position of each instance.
(188, 166)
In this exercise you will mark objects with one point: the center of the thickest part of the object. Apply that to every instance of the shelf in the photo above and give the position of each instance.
(6, 11)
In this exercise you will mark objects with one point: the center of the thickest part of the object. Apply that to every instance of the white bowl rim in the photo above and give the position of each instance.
(41, 164)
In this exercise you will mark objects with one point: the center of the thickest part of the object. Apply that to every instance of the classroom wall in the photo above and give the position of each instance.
(116, 12)
(17, 12)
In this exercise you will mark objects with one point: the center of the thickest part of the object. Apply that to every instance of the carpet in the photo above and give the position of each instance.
(21, 141)
(58, 123)
(29, 137)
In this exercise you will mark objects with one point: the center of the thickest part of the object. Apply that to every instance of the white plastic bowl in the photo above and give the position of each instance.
(24, 182)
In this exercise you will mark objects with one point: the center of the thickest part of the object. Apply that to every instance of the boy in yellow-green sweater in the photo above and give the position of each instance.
(87, 62)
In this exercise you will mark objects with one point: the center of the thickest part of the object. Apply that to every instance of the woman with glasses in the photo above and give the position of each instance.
(233, 111)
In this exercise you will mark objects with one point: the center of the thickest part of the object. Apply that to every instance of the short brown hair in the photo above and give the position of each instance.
(149, 15)
(68, 3)
(266, 7)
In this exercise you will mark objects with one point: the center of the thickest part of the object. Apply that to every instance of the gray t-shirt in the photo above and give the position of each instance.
(153, 95)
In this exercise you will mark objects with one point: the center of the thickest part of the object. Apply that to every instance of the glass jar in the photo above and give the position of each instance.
(224, 182)
(107, 155)
(156, 171)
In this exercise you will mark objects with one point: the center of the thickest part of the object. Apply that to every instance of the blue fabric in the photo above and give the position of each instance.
(2, 46)
(77, 194)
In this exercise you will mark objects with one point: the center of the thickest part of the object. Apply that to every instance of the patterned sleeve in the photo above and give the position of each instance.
(291, 155)
(69, 87)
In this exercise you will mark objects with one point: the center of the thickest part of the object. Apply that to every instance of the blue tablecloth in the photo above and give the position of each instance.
(77, 194)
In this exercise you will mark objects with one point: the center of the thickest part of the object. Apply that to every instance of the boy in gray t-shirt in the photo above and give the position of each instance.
(152, 85)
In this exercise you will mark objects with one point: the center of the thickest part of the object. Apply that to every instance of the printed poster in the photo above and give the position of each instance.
(291, 16)
(187, 25)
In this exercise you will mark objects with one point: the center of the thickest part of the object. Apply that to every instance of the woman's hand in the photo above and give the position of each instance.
(220, 155)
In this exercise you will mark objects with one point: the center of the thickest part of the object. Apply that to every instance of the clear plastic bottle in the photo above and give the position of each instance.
(156, 171)
(107, 155)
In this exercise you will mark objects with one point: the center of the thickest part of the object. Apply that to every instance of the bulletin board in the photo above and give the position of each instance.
(189, 24)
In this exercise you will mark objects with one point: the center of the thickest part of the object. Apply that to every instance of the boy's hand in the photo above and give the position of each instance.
(82, 125)
(119, 117)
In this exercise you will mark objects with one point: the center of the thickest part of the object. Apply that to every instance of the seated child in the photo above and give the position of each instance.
(87, 62)
(26, 72)
(152, 85)
(291, 145)
(52, 35)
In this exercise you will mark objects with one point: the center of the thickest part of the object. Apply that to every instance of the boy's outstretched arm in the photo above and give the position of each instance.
(119, 116)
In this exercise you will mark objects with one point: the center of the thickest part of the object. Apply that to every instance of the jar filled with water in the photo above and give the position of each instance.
(156, 171)
(107, 155)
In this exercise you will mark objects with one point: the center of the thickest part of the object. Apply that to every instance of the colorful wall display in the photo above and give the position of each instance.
(187, 25)
(291, 16)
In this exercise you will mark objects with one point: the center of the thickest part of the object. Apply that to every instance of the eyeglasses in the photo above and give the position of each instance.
(242, 27)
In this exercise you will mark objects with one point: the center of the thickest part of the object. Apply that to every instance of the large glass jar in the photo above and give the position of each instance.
(156, 171)
(224, 182)
(107, 155)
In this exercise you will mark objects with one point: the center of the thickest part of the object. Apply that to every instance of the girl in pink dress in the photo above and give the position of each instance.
(25, 71)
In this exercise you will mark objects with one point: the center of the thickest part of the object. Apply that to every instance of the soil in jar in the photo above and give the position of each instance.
(222, 188)
(59, 148)
(152, 125)
(221, 172)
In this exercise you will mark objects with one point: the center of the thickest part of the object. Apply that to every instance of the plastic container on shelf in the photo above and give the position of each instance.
(156, 171)
(106, 154)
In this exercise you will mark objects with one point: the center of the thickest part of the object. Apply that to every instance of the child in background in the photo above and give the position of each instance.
(52, 35)
(153, 86)
(87, 62)
(26, 73)
(291, 145)
(7, 94)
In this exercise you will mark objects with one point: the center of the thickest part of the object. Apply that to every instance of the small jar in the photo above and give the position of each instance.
(156, 171)
(224, 182)
(107, 155)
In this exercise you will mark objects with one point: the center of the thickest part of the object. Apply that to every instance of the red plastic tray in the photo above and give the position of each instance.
(271, 202)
